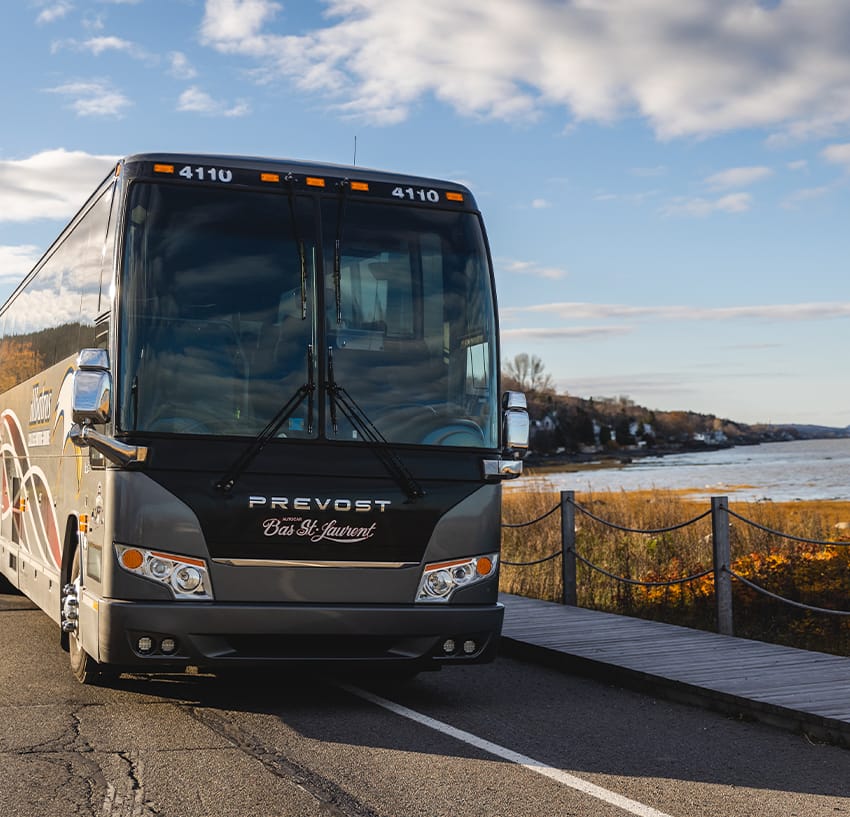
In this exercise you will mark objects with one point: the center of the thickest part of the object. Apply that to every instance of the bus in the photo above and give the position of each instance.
(250, 415)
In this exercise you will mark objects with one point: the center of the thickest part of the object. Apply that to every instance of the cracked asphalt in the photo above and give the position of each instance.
(280, 744)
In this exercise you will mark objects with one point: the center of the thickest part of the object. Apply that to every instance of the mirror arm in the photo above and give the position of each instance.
(497, 470)
(115, 451)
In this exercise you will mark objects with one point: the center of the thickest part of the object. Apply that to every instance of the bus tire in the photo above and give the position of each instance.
(86, 670)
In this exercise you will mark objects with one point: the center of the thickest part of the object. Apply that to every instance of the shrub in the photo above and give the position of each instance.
(816, 575)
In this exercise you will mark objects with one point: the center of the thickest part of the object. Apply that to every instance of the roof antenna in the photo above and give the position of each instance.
(355, 150)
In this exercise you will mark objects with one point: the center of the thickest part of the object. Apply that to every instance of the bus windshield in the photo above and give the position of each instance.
(232, 301)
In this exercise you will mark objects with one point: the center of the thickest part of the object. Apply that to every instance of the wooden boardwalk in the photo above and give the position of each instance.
(796, 689)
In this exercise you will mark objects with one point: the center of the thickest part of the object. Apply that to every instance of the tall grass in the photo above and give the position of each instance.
(816, 575)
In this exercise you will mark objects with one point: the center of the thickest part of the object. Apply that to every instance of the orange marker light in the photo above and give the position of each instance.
(269, 177)
(182, 559)
(84, 523)
(163, 168)
(454, 196)
(132, 559)
(313, 181)
(363, 187)
(484, 566)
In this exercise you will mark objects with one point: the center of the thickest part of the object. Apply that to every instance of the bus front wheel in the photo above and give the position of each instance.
(86, 670)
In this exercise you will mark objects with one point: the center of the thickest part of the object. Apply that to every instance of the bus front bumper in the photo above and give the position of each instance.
(153, 637)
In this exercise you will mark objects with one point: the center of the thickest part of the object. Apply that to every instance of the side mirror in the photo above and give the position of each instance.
(92, 400)
(516, 426)
(92, 405)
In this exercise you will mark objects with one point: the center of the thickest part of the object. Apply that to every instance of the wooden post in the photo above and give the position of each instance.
(568, 545)
(722, 560)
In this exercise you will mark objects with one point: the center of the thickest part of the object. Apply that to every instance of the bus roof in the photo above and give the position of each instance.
(299, 167)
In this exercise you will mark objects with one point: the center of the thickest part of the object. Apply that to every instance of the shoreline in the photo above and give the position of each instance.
(813, 469)
(583, 461)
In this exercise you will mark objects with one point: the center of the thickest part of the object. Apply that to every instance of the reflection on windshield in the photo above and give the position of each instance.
(219, 309)
(216, 326)
(413, 340)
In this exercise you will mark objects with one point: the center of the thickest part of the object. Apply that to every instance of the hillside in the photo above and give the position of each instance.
(567, 425)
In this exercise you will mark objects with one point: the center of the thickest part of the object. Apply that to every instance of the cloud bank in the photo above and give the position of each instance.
(691, 69)
(579, 311)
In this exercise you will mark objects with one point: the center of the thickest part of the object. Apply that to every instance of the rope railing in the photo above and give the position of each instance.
(790, 536)
(623, 529)
(723, 574)
(532, 521)
(637, 582)
(536, 561)
(811, 608)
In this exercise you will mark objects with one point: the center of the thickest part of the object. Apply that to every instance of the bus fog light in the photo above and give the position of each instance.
(145, 644)
(440, 579)
(449, 646)
(168, 645)
(469, 646)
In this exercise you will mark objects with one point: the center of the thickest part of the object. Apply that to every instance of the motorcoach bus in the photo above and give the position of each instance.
(250, 414)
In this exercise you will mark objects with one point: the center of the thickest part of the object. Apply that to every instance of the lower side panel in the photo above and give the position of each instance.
(154, 636)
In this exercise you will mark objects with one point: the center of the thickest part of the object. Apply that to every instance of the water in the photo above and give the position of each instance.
(805, 469)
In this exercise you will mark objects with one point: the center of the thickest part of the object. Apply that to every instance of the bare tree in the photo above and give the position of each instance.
(528, 373)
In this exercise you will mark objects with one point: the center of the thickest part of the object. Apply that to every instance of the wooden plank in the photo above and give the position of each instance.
(792, 680)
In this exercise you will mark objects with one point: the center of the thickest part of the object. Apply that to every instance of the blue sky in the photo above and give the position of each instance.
(665, 182)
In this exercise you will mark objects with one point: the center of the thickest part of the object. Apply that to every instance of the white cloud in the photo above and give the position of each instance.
(194, 100)
(236, 21)
(52, 184)
(53, 12)
(799, 197)
(838, 154)
(701, 207)
(92, 98)
(695, 68)
(16, 262)
(509, 266)
(540, 204)
(577, 311)
(180, 67)
(737, 177)
(97, 45)
(563, 332)
(102, 44)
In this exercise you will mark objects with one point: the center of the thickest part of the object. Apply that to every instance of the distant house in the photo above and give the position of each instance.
(710, 437)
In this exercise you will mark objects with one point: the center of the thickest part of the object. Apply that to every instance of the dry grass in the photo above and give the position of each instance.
(812, 574)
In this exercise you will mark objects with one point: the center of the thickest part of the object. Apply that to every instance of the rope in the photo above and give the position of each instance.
(535, 562)
(799, 604)
(533, 521)
(784, 535)
(681, 525)
(640, 583)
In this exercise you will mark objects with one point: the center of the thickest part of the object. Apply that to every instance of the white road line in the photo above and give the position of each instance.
(614, 799)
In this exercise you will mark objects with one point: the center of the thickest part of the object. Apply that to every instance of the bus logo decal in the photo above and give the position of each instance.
(40, 405)
(315, 531)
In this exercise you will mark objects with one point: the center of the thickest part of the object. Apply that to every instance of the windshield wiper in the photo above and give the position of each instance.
(376, 441)
(296, 233)
(343, 189)
(307, 390)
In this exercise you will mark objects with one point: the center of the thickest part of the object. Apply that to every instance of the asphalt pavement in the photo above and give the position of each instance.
(507, 739)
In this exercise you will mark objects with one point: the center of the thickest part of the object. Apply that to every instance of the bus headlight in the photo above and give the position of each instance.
(441, 579)
(185, 576)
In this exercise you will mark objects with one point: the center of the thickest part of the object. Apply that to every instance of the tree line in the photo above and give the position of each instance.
(563, 423)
